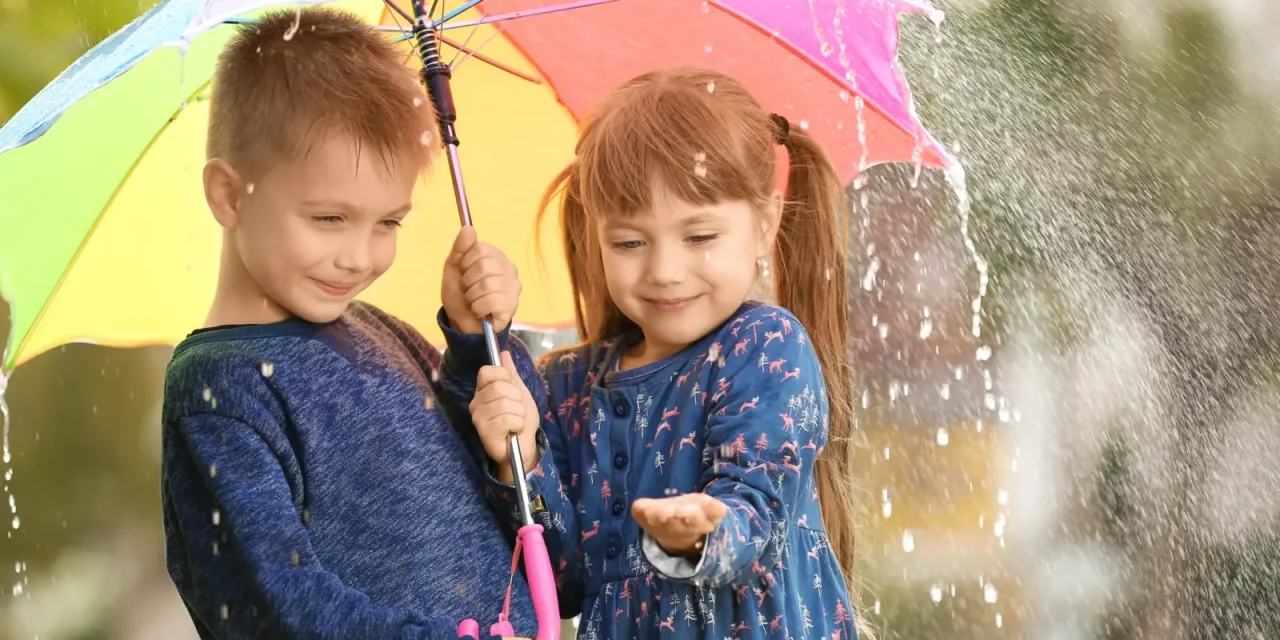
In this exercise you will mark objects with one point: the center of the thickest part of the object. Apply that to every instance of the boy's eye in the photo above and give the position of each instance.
(391, 223)
(702, 239)
(628, 244)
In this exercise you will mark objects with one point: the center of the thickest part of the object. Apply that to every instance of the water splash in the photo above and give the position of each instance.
(297, 22)
(956, 179)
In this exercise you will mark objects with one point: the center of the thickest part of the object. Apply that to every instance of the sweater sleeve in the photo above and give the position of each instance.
(252, 572)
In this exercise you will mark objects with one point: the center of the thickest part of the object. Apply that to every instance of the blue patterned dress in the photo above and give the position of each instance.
(739, 415)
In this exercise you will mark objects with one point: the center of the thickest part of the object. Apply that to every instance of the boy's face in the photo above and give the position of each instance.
(315, 232)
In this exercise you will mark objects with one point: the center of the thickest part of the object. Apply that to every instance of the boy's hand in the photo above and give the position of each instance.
(680, 524)
(479, 281)
(501, 407)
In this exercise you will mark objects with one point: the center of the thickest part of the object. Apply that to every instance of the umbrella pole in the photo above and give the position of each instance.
(436, 76)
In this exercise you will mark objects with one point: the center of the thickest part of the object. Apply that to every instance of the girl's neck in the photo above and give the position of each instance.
(646, 352)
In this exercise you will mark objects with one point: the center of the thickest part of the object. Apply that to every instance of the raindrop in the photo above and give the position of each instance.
(876, 607)
(17, 589)
(804, 124)
(984, 353)
(16, 522)
(959, 373)
(250, 188)
(288, 35)
(215, 547)
(217, 517)
(706, 6)
(711, 86)
(886, 453)
(908, 541)
(425, 138)
(935, 593)
(844, 95)
(225, 612)
(828, 274)
(999, 621)
(700, 165)
(213, 471)
(989, 593)
(945, 392)
(294, 559)
(944, 437)
(268, 369)
(708, 49)
(1002, 497)
(884, 331)
(417, 101)
(937, 16)
(548, 344)
(926, 326)
(886, 504)
(998, 527)
(827, 49)
(208, 394)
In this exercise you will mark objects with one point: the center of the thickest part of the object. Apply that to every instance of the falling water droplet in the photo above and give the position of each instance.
(425, 138)
(224, 612)
(990, 594)
(876, 607)
(908, 541)
(935, 593)
(711, 86)
(288, 35)
(926, 327)
(700, 165)
(16, 522)
(945, 391)
(944, 437)
(999, 621)
(249, 188)
(804, 125)
(1002, 497)
(827, 49)
(208, 394)
(708, 49)
(548, 344)
(886, 453)
(706, 6)
(268, 369)
(417, 101)
(984, 353)
(213, 471)
(886, 505)
(844, 95)
(217, 517)
(884, 331)
(937, 16)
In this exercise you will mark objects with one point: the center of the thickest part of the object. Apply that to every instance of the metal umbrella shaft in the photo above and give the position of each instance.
(436, 76)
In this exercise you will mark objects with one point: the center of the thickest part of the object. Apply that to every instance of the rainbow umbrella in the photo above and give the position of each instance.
(105, 238)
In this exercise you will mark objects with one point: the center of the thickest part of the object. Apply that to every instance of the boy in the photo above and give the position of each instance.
(312, 485)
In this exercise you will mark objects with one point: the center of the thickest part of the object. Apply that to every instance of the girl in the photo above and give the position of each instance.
(693, 454)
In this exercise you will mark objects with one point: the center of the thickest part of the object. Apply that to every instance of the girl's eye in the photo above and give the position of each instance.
(628, 244)
(391, 223)
(327, 219)
(702, 239)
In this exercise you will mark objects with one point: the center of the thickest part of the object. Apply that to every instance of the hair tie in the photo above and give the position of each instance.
(782, 128)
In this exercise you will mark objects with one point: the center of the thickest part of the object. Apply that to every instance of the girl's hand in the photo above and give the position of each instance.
(501, 407)
(479, 281)
(680, 524)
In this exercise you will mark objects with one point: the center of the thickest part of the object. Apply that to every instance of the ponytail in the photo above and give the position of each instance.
(811, 282)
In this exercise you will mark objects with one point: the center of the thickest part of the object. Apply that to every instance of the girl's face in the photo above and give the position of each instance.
(680, 270)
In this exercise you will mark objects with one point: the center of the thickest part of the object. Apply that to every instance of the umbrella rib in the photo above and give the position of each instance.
(474, 52)
(524, 14)
(454, 61)
(490, 61)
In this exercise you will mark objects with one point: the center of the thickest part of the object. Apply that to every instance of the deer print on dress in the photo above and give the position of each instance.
(739, 415)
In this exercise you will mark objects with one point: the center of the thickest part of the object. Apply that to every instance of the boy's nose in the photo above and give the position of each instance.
(356, 258)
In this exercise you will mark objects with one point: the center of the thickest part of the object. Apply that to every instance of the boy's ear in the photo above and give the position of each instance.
(770, 219)
(222, 192)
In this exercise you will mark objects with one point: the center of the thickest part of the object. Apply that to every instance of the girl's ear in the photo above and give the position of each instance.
(770, 219)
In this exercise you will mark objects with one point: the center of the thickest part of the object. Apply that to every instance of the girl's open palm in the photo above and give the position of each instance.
(679, 523)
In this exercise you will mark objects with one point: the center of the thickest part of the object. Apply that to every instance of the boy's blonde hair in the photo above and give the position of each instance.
(292, 77)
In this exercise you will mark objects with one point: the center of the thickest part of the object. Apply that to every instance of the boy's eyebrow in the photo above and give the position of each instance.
(350, 208)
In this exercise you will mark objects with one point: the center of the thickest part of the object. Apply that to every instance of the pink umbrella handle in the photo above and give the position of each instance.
(542, 581)
(542, 590)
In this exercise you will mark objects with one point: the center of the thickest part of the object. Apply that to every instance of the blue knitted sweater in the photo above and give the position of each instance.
(321, 481)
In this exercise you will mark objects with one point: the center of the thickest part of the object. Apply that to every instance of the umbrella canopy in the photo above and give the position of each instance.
(105, 237)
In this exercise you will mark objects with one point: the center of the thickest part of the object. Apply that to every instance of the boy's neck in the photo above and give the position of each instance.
(238, 299)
